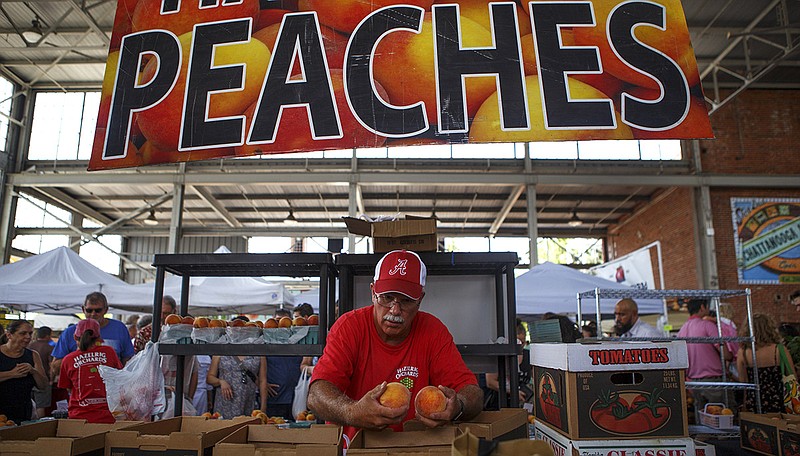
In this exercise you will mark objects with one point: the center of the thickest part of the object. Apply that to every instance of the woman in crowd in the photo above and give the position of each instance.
(236, 380)
(770, 379)
(80, 376)
(20, 369)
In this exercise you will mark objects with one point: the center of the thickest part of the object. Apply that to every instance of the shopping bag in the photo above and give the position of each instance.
(301, 393)
(136, 392)
(791, 390)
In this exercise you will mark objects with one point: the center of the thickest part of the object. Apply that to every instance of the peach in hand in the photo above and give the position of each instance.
(430, 399)
(396, 395)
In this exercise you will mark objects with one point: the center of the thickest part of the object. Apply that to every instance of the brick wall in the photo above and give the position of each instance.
(757, 133)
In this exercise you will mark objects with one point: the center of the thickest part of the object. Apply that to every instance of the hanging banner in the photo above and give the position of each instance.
(198, 79)
(767, 239)
(634, 269)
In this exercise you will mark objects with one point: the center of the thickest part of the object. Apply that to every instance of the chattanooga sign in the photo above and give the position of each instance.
(767, 239)
(195, 79)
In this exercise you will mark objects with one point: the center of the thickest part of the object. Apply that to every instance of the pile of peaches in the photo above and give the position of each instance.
(267, 419)
(4, 421)
(205, 322)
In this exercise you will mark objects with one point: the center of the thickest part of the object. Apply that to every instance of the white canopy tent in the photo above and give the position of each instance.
(550, 287)
(213, 295)
(55, 282)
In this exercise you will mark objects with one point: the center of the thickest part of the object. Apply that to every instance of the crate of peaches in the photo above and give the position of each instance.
(292, 331)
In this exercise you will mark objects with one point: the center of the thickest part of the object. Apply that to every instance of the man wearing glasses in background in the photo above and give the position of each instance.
(114, 332)
(391, 341)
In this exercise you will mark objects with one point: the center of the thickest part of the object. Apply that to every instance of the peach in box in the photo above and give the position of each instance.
(430, 400)
(395, 396)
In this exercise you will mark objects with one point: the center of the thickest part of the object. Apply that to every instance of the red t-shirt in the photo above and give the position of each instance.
(356, 360)
(87, 399)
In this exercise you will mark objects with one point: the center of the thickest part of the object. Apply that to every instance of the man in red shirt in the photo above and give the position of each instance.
(391, 341)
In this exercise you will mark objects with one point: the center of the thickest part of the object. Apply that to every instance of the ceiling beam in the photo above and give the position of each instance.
(216, 206)
(69, 203)
(410, 178)
(504, 211)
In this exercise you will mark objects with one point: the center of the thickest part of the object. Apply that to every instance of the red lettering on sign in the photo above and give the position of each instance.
(629, 356)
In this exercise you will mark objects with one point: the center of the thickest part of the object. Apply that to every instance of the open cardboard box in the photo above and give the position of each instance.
(58, 438)
(415, 438)
(179, 436)
(504, 424)
(770, 433)
(263, 440)
(412, 233)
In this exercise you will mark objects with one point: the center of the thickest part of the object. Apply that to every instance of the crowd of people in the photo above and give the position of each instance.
(391, 340)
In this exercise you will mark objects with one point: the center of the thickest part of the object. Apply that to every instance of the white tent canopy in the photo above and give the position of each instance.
(213, 295)
(550, 287)
(54, 282)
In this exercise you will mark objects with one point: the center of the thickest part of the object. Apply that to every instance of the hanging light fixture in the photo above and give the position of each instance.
(575, 220)
(290, 220)
(151, 219)
(34, 33)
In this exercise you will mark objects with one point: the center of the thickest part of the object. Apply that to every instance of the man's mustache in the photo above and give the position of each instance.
(394, 318)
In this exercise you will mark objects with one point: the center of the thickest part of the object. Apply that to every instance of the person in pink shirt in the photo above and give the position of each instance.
(705, 364)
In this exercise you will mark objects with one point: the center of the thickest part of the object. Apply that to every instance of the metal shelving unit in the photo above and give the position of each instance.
(242, 265)
(498, 266)
(714, 297)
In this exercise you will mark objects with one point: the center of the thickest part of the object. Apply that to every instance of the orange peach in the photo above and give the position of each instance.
(478, 11)
(217, 323)
(486, 124)
(187, 320)
(335, 44)
(299, 321)
(237, 323)
(285, 322)
(414, 53)
(311, 417)
(173, 319)
(430, 399)
(201, 322)
(313, 319)
(271, 323)
(345, 15)
(396, 395)
(161, 123)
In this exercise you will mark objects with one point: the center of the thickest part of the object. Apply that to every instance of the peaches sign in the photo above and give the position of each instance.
(196, 79)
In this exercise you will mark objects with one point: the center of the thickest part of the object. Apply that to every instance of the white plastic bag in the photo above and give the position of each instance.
(136, 392)
(188, 408)
(301, 393)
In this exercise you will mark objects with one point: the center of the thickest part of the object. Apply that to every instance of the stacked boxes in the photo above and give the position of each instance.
(505, 424)
(432, 442)
(770, 433)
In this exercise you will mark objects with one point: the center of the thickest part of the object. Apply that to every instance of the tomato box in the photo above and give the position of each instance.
(414, 439)
(759, 432)
(503, 424)
(412, 233)
(564, 446)
(58, 438)
(704, 449)
(179, 436)
(613, 390)
(265, 440)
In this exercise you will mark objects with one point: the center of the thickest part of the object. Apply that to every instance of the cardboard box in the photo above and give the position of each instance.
(505, 424)
(412, 233)
(179, 436)
(564, 446)
(263, 440)
(759, 432)
(58, 438)
(614, 390)
(433, 442)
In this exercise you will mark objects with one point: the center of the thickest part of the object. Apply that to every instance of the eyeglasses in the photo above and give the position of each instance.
(88, 310)
(387, 301)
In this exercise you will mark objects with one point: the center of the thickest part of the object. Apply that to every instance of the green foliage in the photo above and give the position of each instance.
(793, 344)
